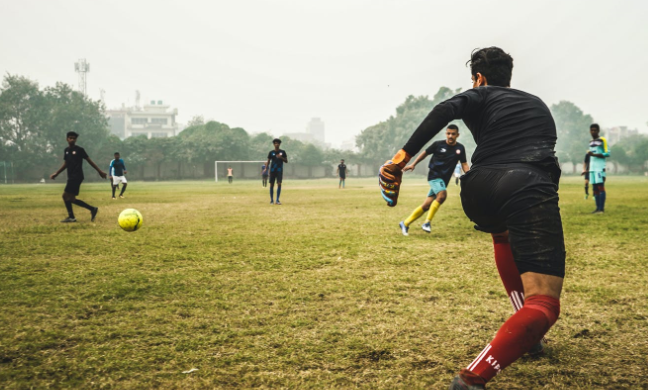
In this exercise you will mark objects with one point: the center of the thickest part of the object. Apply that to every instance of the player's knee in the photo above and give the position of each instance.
(549, 306)
(500, 238)
(441, 197)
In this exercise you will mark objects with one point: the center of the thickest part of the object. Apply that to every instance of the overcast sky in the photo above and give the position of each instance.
(273, 65)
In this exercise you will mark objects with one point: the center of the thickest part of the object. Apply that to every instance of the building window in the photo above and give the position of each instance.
(159, 121)
(159, 135)
(139, 121)
(138, 133)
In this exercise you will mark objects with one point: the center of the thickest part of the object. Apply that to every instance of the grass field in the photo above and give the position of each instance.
(322, 292)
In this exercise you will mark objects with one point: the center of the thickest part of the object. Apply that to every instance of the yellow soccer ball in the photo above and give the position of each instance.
(130, 220)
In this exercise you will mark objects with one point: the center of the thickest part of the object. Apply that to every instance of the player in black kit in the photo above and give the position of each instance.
(73, 161)
(445, 155)
(341, 171)
(277, 157)
(510, 192)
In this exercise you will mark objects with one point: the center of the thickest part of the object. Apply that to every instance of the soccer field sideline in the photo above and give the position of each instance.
(320, 292)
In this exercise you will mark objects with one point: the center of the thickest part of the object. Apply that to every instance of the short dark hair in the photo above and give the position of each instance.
(116, 152)
(453, 127)
(494, 64)
(72, 134)
(595, 125)
(276, 140)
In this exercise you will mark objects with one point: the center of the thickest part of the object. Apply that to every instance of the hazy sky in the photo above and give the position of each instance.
(273, 65)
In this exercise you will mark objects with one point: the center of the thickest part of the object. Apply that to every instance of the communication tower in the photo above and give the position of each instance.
(82, 67)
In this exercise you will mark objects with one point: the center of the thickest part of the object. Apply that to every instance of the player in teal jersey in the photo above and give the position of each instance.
(598, 152)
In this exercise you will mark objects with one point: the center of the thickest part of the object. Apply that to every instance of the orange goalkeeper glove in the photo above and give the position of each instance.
(390, 176)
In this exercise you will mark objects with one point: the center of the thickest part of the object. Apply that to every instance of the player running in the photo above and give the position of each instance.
(341, 171)
(117, 174)
(230, 175)
(445, 155)
(73, 161)
(278, 157)
(264, 175)
(511, 191)
(598, 152)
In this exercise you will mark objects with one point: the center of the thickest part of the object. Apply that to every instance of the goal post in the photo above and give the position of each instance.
(242, 169)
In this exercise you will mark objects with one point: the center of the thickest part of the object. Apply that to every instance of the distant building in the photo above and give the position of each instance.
(616, 134)
(154, 120)
(314, 134)
(349, 144)
(316, 129)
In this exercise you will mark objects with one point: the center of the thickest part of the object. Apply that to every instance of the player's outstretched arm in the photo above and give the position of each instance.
(92, 163)
(390, 177)
(61, 169)
(418, 160)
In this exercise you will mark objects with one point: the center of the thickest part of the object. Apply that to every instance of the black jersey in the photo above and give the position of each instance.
(444, 159)
(342, 169)
(73, 162)
(276, 164)
(508, 126)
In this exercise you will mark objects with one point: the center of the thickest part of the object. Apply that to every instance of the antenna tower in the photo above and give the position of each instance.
(82, 67)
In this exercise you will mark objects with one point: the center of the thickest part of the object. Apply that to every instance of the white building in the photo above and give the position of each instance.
(616, 134)
(316, 129)
(154, 120)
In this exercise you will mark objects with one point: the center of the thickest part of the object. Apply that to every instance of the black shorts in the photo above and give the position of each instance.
(522, 199)
(278, 176)
(342, 177)
(73, 187)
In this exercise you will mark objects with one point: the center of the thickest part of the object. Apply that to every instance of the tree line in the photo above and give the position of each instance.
(35, 120)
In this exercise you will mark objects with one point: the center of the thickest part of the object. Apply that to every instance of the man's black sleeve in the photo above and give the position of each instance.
(454, 108)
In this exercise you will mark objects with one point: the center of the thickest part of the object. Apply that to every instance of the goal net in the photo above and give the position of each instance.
(246, 170)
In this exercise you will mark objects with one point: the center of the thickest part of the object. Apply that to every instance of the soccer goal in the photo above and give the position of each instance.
(240, 169)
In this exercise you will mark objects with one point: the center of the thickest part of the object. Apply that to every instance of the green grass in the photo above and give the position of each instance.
(322, 292)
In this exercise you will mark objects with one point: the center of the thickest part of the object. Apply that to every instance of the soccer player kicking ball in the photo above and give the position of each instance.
(117, 174)
(278, 157)
(73, 161)
(445, 155)
(598, 153)
(511, 191)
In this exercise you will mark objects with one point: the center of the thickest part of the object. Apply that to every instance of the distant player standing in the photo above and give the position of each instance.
(598, 152)
(230, 175)
(341, 171)
(264, 175)
(511, 191)
(117, 174)
(457, 174)
(445, 155)
(72, 161)
(276, 159)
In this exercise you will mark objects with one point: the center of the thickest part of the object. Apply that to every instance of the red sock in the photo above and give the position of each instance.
(518, 334)
(508, 272)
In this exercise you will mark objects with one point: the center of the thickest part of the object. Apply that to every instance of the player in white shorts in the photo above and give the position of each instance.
(117, 173)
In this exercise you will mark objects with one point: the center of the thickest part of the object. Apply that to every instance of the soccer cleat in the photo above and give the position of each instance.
(113, 198)
(69, 219)
(537, 349)
(459, 384)
(404, 229)
(426, 227)
(93, 214)
(271, 202)
(278, 203)
(121, 196)
(597, 212)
